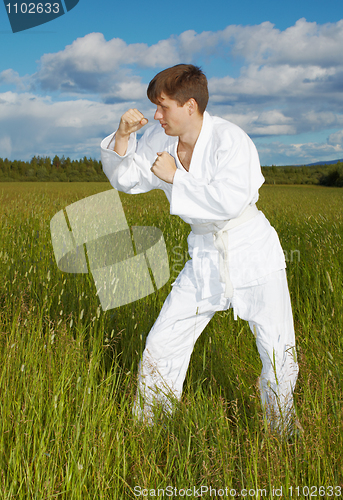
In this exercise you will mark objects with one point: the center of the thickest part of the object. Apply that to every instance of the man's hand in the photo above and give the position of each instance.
(130, 122)
(164, 167)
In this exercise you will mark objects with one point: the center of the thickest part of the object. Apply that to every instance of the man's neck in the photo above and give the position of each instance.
(188, 139)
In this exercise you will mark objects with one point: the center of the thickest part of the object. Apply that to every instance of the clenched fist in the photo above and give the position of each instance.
(130, 122)
(164, 167)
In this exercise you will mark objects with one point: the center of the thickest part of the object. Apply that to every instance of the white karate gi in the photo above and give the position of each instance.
(223, 180)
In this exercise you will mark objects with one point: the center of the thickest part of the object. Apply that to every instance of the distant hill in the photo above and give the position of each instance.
(332, 162)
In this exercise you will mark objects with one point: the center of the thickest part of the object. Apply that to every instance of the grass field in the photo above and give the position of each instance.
(68, 369)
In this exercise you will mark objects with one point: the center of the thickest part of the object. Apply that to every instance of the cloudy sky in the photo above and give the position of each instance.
(274, 68)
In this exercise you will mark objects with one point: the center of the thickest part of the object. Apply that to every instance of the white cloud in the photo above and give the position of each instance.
(92, 64)
(301, 63)
(304, 44)
(32, 125)
(271, 122)
(285, 84)
(11, 77)
(277, 153)
(336, 139)
(6, 146)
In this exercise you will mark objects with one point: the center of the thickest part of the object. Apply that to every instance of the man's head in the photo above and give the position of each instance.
(180, 83)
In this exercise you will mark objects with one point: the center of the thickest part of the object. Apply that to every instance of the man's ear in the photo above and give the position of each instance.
(192, 106)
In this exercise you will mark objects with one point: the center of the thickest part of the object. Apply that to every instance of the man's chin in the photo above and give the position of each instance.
(169, 132)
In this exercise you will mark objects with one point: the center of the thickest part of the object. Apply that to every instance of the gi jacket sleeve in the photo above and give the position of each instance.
(226, 178)
(130, 173)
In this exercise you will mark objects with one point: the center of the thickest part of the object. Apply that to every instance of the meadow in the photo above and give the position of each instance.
(68, 369)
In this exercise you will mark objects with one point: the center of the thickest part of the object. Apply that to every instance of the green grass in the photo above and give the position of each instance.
(68, 369)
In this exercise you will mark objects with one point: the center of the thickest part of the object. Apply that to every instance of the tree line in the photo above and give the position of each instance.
(322, 175)
(43, 169)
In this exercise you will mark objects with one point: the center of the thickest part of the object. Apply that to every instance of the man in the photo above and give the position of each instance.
(210, 172)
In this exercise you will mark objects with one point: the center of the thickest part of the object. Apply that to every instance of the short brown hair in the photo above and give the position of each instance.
(181, 83)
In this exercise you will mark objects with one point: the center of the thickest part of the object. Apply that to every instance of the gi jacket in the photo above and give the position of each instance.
(223, 179)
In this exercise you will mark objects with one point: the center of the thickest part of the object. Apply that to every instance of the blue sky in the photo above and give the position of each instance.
(274, 68)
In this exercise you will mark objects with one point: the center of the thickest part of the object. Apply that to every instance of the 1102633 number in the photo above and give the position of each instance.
(32, 8)
(315, 491)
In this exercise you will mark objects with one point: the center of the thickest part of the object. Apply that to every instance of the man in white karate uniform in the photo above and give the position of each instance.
(210, 172)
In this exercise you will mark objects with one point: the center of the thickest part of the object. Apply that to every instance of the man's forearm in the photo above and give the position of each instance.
(120, 144)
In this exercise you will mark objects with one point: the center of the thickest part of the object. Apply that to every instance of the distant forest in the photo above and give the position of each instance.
(43, 169)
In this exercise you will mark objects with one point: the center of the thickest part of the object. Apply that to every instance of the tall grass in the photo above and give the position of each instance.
(68, 369)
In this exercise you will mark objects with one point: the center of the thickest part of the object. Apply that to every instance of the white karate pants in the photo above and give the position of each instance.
(264, 303)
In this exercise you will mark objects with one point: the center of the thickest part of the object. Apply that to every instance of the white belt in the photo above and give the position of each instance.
(220, 231)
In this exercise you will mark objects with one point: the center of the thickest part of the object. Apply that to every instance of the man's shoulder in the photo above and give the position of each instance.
(225, 125)
(225, 131)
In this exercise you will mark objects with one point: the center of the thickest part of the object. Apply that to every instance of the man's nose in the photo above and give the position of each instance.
(158, 115)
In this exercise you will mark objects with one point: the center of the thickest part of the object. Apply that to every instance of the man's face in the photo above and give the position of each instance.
(173, 118)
